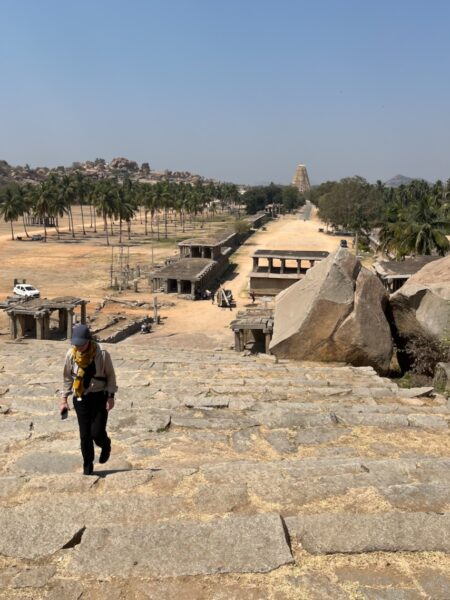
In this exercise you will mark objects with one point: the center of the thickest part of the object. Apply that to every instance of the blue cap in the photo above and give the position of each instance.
(80, 335)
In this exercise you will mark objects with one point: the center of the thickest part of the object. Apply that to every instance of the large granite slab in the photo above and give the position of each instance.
(232, 545)
(380, 532)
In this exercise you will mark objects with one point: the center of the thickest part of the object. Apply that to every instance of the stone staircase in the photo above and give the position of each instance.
(231, 477)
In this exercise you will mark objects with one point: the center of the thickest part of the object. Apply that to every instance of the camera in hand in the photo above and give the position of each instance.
(64, 413)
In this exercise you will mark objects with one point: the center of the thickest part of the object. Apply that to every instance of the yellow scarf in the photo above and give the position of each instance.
(83, 360)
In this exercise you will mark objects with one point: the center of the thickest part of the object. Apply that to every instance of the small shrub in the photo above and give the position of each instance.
(425, 352)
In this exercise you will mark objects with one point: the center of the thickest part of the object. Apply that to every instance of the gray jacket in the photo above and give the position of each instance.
(104, 371)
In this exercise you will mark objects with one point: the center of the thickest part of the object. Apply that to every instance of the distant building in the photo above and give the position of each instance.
(200, 265)
(275, 270)
(301, 179)
(393, 274)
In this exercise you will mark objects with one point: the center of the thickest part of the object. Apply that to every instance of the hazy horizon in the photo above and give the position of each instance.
(233, 91)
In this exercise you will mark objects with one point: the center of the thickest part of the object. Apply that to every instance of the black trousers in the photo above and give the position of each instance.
(92, 418)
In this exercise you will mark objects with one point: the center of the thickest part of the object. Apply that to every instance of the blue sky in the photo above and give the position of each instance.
(240, 91)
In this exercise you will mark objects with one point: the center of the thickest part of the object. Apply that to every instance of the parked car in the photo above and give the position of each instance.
(26, 290)
(344, 244)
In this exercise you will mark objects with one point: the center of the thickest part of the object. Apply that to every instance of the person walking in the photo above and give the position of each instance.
(89, 374)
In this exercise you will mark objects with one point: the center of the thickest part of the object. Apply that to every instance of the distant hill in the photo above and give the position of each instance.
(398, 180)
(98, 169)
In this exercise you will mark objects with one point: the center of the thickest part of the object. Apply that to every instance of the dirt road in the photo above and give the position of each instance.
(81, 267)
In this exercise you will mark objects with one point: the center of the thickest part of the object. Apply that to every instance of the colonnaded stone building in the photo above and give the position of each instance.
(301, 179)
(201, 263)
(275, 270)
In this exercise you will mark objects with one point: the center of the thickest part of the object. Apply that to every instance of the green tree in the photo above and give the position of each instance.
(105, 202)
(44, 199)
(291, 198)
(81, 191)
(10, 208)
(416, 222)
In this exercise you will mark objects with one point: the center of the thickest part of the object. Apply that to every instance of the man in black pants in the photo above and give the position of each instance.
(89, 375)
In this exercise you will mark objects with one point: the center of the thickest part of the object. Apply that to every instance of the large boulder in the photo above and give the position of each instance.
(420, 309)
(336, 313)
(422, 305)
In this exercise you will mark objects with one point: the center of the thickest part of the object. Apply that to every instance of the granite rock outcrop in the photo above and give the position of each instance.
(336, 313)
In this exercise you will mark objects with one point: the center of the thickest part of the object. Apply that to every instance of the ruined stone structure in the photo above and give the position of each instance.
(201, 263)
(301, 179)
(253, 327)
(206, 247)
(393, 273)
(31, 318)
(37, 220)
(275, 270)
(274, 209)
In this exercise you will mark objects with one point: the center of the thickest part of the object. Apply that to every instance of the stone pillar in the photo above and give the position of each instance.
(193, 289)
(270, 260)
(267, 338)
(46, 326)
(178, 286)
(255, 263)
(83, 313)
(13, 327)
(237, 341)
(299, 267)
(203, 252)
(69, 323)
(155, 309)
(312, 263)
(282, 265)
(21, 325)
(40, 328)
(62, 319)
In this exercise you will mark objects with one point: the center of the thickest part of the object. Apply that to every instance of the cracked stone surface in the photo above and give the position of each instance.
(231, 476)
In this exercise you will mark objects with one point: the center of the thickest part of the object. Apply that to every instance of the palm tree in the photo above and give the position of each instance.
(81, 191)
(146, 194)
(105, 202)
(66, 187)
(10, 206)
(417, 223)
(26, 193)
(58, 208)
(43, 201)
(159, 188)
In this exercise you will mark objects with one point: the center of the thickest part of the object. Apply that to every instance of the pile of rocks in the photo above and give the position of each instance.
(341, 312)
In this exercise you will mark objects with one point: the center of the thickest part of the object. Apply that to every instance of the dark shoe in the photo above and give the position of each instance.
(105, 453)
(88, 469)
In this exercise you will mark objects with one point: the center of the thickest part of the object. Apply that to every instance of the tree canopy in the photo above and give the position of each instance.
(258, 197)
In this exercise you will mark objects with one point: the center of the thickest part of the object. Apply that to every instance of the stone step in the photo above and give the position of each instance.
(379, 532)
(213, 453)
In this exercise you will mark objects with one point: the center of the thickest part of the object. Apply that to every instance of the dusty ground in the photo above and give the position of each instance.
(81, 267)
